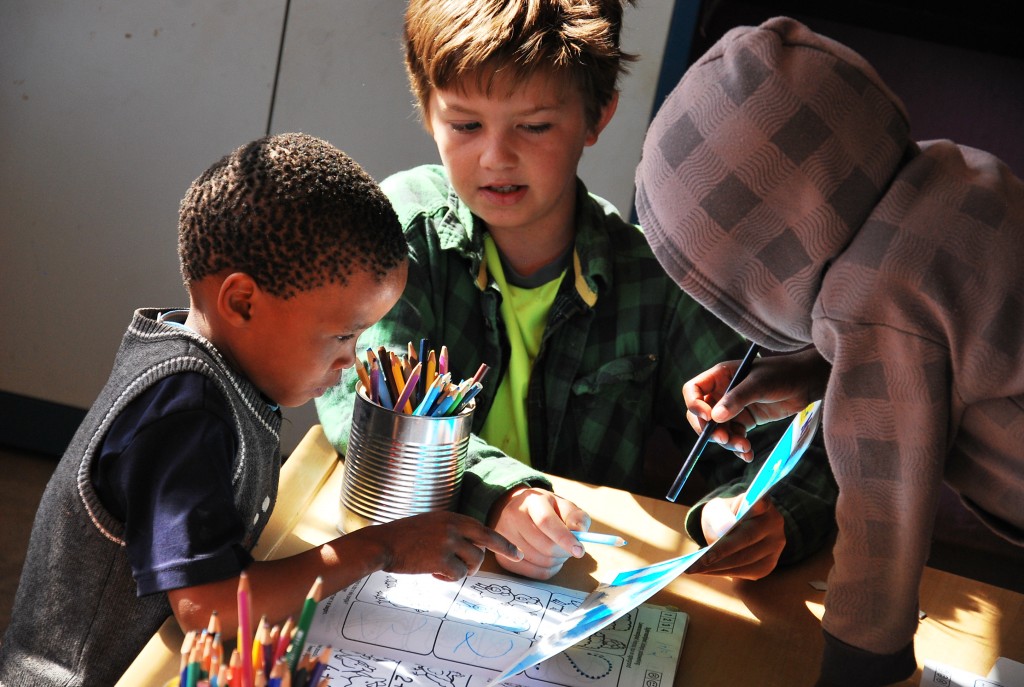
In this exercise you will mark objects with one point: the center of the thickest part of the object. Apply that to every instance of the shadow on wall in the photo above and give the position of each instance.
(958, 67)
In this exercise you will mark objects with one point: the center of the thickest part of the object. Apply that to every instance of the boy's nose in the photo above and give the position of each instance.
(345, 359)
(498, 152)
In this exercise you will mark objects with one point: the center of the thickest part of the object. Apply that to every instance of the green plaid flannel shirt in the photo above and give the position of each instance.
(621, 340)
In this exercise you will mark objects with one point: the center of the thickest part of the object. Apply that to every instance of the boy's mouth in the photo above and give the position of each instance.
(504, 195)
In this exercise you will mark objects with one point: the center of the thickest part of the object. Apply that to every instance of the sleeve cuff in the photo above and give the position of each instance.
(489, 475)
(844, 665)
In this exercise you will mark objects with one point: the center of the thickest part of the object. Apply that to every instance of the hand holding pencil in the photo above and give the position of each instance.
(710, 425)
(777, 387)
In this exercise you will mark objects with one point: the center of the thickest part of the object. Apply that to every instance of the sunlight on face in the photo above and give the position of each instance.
(297, 347)
(512, 153)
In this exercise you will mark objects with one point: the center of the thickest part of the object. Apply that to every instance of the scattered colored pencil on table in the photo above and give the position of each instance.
(272, 656)
(417, 382)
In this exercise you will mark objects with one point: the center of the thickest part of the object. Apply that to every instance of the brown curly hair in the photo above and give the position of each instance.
(447, 41)
(291, 211)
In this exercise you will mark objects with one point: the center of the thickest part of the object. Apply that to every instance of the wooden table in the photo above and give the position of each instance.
(765, 633)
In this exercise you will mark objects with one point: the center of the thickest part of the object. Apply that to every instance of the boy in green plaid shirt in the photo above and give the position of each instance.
(514, 264)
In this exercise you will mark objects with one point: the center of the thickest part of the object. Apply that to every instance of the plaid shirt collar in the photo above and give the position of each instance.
(462, 231)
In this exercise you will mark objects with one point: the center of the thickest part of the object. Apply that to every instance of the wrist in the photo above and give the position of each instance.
(844, 665)
(498, 507)
(358, 553)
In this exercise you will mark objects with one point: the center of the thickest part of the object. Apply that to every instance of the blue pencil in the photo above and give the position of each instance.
(597, 538)
(464, 401)
(426, 405)
(383, 396)
(705, 436)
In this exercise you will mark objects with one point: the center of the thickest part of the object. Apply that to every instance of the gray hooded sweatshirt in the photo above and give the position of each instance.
(780, 188)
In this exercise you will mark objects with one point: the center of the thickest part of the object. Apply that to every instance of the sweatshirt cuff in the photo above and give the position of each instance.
(843, 665)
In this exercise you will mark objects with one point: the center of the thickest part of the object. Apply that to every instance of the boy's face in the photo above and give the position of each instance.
(512, 154)
(295, 349)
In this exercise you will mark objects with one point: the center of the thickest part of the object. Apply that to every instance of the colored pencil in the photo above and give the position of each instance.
(259, 638)
(319, 666)
(481, 372)
(443, 405)
(364, 376)
(387, 370)
(464, 401)
(224, 676)
(186, 649)
(194, 666)
(245, 628)
(442, 361)
(235, 668)
(216, 655)
(305, 620)
(213, 627)
(284, 639)
(398, 380)
(404, 401)
(383, 393)
(705, 435)
(429, 397)
(431, 374)
(267, 645)
(597, 538)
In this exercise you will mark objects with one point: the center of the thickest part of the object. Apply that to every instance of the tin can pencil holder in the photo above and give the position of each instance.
(399, 465)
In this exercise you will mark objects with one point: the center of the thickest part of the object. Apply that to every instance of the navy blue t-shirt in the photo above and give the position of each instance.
(164, 470)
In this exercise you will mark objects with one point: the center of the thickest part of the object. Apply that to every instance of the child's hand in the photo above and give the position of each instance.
(448, 545)
(540, 524)
(778, 386)
(749, 550)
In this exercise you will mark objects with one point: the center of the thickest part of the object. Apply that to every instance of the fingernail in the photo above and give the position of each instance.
(577, 551)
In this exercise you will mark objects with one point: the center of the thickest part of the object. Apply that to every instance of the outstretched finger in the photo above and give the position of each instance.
(486, 538)
(455, 567)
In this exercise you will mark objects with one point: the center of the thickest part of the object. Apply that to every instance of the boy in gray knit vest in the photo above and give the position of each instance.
(289, 251)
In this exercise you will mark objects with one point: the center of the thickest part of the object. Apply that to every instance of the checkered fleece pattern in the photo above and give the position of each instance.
(715, 190)
(779, 187)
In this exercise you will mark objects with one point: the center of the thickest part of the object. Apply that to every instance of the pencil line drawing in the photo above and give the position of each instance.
(462, 634)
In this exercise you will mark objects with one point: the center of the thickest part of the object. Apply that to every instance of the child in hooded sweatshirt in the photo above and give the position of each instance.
(781, 189)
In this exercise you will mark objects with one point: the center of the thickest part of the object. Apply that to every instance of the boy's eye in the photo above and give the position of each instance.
(345, 337)
(536, 128)
(465, 127)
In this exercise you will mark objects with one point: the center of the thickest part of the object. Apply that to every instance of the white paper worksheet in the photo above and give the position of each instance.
(393, 630)
(1005, 673)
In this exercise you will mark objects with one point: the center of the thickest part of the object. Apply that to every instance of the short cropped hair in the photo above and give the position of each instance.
(446, 42)
(291, 211)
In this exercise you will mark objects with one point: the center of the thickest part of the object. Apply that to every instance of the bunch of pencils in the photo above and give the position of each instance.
(273, 656)
(417, 382)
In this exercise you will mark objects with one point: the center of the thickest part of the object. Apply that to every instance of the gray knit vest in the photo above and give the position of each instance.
(77, 619)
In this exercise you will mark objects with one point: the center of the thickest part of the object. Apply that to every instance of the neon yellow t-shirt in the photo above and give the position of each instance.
(525, 312)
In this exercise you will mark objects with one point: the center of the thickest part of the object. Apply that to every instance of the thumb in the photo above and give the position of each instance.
(734, 401)
(718, 518)
(725, 410)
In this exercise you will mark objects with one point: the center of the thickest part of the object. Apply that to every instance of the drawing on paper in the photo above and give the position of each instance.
(416, 631)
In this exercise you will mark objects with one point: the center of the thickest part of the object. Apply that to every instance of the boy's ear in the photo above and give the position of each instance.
(235, 299)
(607, 112)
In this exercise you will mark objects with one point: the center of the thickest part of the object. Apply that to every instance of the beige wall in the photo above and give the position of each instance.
(109, 109)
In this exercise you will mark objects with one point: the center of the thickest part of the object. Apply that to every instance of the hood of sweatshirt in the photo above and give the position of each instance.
(760, 167)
